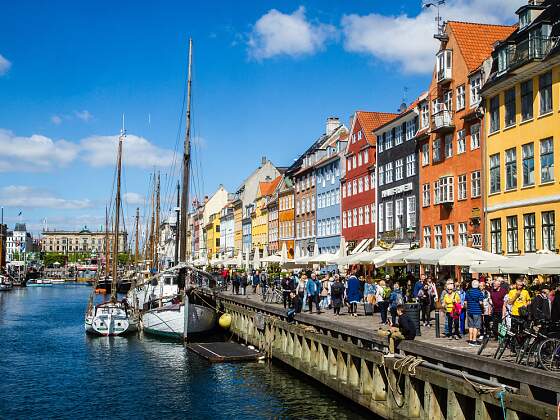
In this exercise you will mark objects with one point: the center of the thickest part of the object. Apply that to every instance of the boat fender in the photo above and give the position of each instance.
(225, 321)
(251, 347)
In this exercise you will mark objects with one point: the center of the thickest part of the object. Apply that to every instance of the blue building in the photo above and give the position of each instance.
(246, 227)
(329, 169)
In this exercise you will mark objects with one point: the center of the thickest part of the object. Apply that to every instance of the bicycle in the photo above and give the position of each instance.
(272, 295)
(548, 354)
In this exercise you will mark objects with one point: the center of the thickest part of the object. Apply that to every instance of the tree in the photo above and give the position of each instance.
(54, 257)
(124, 258)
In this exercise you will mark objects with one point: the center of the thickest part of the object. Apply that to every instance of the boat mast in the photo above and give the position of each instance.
(136, 244)
(156, 238)
(152, 232)
(117, 217)
(177, 210)
(186, 165)
(106, 242)
(2, 250)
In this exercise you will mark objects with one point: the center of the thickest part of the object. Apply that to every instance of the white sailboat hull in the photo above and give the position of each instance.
(110, 320)
(169, 321)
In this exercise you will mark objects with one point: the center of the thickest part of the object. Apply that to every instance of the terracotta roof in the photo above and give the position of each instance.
(369, 121)
(267, 188)
(476, 40)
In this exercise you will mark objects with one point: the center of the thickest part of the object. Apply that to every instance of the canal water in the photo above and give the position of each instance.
(49, 368)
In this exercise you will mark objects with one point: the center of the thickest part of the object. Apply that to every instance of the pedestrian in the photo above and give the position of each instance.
(337, 295)
(370, 291)
(353, 293)
(419, 285)
(425, 301)
(311, 289)
(256, 281)
(541, 306)
(300, 291)
(324, 295)
(486, 310)
(395, 299)
(286, 289)
(497, 296)
(243, 284)
(452, 304)
(461, 287)
(235, 283)
(404, 330)
(383, 292)
(518, 298)
(473, 304)
(555, 307)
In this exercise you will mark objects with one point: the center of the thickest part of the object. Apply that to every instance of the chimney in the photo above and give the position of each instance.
(332, 125)
(402, 108)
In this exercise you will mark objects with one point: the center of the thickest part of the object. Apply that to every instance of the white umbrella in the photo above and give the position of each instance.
(284, 253)
(316, 249)
(454, 255)
(257, 258)
(391, 257)
(265, 253)
(247, 260)
(239, 262)
(276, 258)
(326, 257)
(418, 255)
(548, 263)
(531, 264)
(297, 253)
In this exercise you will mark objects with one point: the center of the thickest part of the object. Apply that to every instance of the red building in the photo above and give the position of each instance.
(358, 184)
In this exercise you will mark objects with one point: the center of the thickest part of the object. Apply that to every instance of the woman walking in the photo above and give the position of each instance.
(337, 295)
(353, 293)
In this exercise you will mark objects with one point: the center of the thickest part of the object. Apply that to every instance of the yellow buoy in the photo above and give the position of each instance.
(225, 321)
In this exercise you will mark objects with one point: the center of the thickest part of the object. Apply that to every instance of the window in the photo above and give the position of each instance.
(360, 216)
(366, 156)
(425, 154)
(355, 186)
(366, 183)
(449, 146)
(359, 159)
(461, 142)
(372, 181)
(496, 236)
(349, 187)
(427, 234)
(349, 163)
(547, 161)
(475, 136)
(399, 212)
(360, 185)
(449, 235)
(509, 99)
(475, 184)
(511, 169)
(446, 189)
(475, 83)
(463, 235)
(380, 140)
(381, 175)
(355, 217)
(528, 153)
(460, 97)
(548, 230)
(381, 219)
(349, 215)
(411, 165)
(398, 135)
(389, 216)
(359, 135)
(436, 150)
(524, 18)
(343, 191)
(462, 187)
(448, 100)
(425, 195)
(438, 237)
(437, 192)
(354, 162)
(389, 173)
(529, 232)
(527, 100)
(512, 235)
(495, 113)
(399, 169)
(545, 92)
(411, 211)
(388, 139)
(410, 129)
(424, 115)
(495, 173)
(503, 59)
(373, 213)
(366, 215)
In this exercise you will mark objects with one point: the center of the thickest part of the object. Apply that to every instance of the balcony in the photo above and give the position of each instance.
(532, 48)
(444, 75)
(442, 121)
(444, 66)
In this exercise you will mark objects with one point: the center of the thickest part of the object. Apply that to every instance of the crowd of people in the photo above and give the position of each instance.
(472, 309)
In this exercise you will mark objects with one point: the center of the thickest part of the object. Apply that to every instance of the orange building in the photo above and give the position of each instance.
(286, 216)
(450, 136)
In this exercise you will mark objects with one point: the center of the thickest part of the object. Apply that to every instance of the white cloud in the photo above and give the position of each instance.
(21, 196)
(408, 40)
(84, 115)
(137, 151)
(277, 33)
(56, 120)
(35, 153)
(133, 198)
(5, 65)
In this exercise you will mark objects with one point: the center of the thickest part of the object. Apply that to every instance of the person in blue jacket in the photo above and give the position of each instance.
(419, 285)
(395, 299)
(311, 289)
(353, 292)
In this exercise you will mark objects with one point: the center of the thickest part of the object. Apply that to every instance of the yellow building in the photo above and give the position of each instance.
(213, 236)
(259, 217)
(237, 226)
(522, 120)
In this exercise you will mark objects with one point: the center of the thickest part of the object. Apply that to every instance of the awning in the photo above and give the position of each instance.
(362, 246)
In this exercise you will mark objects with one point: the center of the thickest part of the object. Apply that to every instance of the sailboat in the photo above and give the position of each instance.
(167, 315)
(112, 318)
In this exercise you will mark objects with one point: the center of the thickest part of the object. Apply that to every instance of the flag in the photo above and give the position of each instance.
(19, 214)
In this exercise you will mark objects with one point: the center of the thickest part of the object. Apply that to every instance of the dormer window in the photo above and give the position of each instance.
(359, 135)
(503, 59)
(524, 18)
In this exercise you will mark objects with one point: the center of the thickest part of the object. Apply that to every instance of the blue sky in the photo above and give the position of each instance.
(267, 74)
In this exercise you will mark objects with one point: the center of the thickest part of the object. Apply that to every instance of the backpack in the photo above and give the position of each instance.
(386, 293)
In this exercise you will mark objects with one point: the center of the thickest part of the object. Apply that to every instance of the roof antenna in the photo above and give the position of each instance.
(403, 106)
(439, 26)
(123, 130)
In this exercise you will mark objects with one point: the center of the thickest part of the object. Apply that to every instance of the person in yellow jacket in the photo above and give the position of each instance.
(518, 298)
(451, 303)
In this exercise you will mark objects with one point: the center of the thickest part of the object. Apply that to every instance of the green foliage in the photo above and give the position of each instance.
(125, 258)
(51, 257)
(78, 256)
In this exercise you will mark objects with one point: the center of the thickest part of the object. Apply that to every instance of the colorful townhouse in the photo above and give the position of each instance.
(397, 179)
(329, 169)
(212, 206)
(213, 236)
(273, 221)
(259, 216)
(522, 122)
(286, 216)
(226, 231)
(358, 204)
(450, 148)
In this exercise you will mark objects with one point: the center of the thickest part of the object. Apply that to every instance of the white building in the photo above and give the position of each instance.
(18, 242)
(167, 238)
(226, 231)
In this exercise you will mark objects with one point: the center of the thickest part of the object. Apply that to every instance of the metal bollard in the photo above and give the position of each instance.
(437, 323)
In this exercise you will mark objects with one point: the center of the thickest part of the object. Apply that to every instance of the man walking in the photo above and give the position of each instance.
(473, 302)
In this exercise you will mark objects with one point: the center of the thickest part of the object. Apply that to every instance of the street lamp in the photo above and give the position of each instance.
(410, 234)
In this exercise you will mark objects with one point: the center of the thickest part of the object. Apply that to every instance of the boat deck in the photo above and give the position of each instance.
(224, 352)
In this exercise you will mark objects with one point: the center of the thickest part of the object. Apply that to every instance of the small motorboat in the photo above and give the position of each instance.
(111, 319)
(39, 283)
(5, 284)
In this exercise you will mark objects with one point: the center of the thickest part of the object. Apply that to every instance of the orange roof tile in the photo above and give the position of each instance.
(475, 40)
(369, 121)
(267, 188)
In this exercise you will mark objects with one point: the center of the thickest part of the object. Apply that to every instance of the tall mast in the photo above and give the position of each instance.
(186, 165)
(156, 241)
(177, 209)
(106, 242)
(117, 217)
(152, 232)
(136, 244)
(2, 250)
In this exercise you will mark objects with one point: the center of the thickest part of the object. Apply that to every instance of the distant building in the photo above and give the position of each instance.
(83, 241)
(226, 231)
(286, 232)
(166, 246)
(18, 242)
